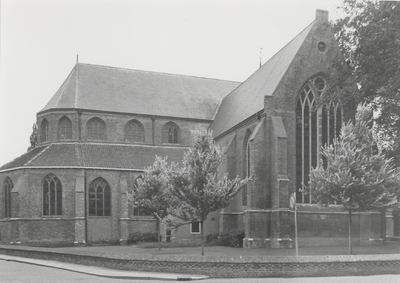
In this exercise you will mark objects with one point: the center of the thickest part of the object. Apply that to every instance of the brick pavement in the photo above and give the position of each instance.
(225, 262)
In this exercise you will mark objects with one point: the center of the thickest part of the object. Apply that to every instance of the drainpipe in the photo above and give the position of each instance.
(79, 124)
(86, 211)
(84, 172)
(153, 119)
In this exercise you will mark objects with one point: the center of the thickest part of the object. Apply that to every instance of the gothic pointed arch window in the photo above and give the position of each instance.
(99, 198)
(64, 129)
(246, 162)
(134, 131)
(96, 129)
(44, 130)
(133, 209)
(52, 195)
(315, 126)
(8, 186)
(171, 133)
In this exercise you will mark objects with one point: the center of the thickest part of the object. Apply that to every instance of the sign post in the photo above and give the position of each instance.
(293, 206)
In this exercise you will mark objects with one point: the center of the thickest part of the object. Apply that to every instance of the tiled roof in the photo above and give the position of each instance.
(93, 155)
(23, 159)
(58, 155)
(248, 99)
(94, 87)
(126, 156)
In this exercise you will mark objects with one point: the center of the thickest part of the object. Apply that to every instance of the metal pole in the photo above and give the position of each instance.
(295, 229)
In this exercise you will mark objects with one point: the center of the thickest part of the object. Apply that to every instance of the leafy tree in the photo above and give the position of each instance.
(357, 176)
(197, 183)
(369, 40)
(152, 194)
(33, 137)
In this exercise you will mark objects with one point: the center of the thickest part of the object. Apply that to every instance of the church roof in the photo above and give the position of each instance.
(94, 155)
(248, 98)
(94, 87)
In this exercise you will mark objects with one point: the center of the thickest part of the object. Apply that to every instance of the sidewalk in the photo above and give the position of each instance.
(105, 272)
(132, 262)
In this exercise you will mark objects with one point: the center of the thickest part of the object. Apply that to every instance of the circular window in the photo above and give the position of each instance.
(319, 83)
(322, 46)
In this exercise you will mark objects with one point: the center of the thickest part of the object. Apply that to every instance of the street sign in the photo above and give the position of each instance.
(292, 203)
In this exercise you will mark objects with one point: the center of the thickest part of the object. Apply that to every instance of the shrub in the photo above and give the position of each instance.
(139, 237)
(167, 245)
(233, 238)
(212, 238)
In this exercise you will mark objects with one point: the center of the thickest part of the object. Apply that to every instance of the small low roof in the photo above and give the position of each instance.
(94, 155)
(102, 88)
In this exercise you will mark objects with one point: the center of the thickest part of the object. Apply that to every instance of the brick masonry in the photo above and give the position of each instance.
(115, 126)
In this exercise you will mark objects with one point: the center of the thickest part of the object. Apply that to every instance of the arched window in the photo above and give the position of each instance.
(96, 129)
(171, 133)
(134, 210)
(134, 131)
(246, 163)
(64, 129)
(99, 198)
(52, 195)
(44, 130)
(315, 127)
(8, 186)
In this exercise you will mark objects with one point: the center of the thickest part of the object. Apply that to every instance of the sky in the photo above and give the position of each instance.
(41, 40)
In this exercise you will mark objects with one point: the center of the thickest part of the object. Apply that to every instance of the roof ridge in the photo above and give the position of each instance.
(37, 155)
(280, 50)
(312, 23)
(14, 159)
(64, 86)
(61, 89)
(76, 85)
(155, 72)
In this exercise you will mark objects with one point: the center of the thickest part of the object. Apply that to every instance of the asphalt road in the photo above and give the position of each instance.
(15, 272)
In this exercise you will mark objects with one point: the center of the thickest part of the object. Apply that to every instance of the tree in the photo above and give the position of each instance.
(197, 183)
(152, 195)
(356, 175)
(33, 137)
(369, 40)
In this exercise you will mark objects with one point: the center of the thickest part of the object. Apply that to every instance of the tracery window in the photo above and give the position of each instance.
(134, 210)
(247, 163)
(64, 129)
(134, 131)
(52, 195)
(44, 131)
(99, 198)
(8, 186)
(96, 129)
(171, 133)
(315, 127)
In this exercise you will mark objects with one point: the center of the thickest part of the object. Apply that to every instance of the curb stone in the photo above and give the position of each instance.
(104, 272)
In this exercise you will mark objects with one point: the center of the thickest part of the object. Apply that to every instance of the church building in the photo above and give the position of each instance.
(105, 125)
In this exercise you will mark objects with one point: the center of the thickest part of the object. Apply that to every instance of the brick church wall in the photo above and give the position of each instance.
(231, 217)
(27, 224)
(115, 126)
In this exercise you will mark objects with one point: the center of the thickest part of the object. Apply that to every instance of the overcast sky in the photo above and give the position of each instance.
(40, 40)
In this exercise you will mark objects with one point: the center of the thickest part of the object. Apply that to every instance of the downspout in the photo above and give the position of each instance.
(86, 214)
(80, 148)
(153, 119)
(79, 125)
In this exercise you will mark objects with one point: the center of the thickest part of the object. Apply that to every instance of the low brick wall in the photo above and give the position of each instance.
(225, 267)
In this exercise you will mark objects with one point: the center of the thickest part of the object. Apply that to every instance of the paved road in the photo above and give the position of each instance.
(15, 272)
